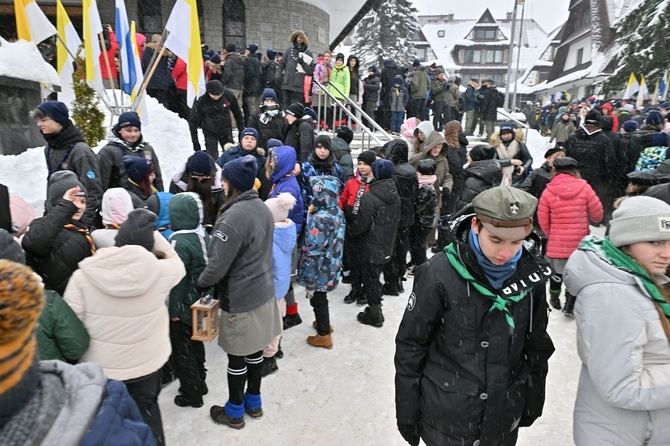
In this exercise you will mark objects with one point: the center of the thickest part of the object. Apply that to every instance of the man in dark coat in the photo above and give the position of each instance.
(211, 113)
(270, 72)
(597, 159)
(297, 63)
(407, 184)
(371, 86)
(161, 81)
(471, 106)
(389, 72)
(232, 76)
(488, 108)
(253, 81)
(472, 349)
(377, 224)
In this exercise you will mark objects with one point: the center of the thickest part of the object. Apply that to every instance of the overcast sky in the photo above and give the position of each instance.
(547, 13)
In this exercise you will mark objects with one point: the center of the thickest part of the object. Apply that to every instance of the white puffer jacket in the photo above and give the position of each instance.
(623, 397)
(120, 294)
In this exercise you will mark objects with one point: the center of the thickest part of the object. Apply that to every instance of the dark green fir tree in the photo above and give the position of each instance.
(85, 112)
(386, 33)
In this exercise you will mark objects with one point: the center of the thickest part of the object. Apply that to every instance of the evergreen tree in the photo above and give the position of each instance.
(386, 33)
(85, 112)
(643, 48)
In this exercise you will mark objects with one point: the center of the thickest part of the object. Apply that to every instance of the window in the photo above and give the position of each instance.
(580, 56)
(421, 54)
(440, 33)
(485, 34)
(473, 56)
(494, 56)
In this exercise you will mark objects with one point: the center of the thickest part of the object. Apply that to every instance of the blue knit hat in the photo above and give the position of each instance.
(373, 68)
(311, 113)
(128, 119)
(382, 169)
(249, 131)
(630, 126)
(268, 93)
(55, 110)
(136, 167)
(271, 54)
(273, 142)
(653, 118)
(241, 172)
(660, 139)
(507, 126)
(252, 48)
(200, 164)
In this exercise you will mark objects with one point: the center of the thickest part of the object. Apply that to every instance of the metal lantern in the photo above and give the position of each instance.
(205, 319)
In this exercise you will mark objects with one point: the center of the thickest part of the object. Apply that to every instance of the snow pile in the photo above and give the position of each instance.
(22, 60)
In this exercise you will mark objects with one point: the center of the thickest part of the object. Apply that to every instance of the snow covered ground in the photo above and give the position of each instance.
(344, 396)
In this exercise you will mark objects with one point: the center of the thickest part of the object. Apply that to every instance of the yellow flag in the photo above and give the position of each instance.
(31, 23)
(92, 27)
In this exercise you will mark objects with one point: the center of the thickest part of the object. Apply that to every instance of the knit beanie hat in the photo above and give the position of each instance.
(252, 48)
(269, 93)
(416, 63)
(281, 205)
(295, 109)
(138, 229)
(273, 142)
(200, 164)
(372, 69)
(311, 113)
(21, 300)
(55, 110)
(241, 172)
(136, 167)
(214, 87)
(660, 139)
(249, 131)
(323, 141)
(230, 48)
(382, 169)
(59, 183)
(271, 54)
(630, 126)
(368, 157)
(640, 219)
(339, 56)
(215, 59)
(128, 119)
(10, 248)
(593, 118)
(654, 118)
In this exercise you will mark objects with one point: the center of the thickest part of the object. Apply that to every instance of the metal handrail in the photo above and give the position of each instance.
(509, 117)
(342, 108)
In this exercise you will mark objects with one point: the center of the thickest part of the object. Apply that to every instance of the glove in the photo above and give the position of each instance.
(202, 291)
(410, 432)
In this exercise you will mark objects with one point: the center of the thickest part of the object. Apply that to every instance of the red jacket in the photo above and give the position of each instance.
(180, 75)
(615, 118)
(566, 206)
(348, 197)
(111, 54)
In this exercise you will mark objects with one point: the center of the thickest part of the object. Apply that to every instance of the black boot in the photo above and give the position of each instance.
(353, 295)
(269, 366)
(569, 305)
(554, 300)
(372, 315)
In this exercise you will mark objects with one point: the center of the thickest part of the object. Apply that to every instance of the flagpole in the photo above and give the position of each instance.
(109, 70)
(146, 79)
(151, 68)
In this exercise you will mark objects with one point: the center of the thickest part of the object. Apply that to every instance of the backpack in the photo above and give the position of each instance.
(500, 99)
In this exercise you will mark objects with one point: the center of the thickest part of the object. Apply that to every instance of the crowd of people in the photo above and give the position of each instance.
(106, 319)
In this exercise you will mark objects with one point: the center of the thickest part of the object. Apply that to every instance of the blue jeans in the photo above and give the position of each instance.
(396, 120)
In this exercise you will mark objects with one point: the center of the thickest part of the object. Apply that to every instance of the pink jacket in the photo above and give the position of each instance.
(566, 206)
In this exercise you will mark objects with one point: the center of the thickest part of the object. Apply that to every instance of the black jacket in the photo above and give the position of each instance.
(389, 73)
(488, 110)
(457, 158)
(52, 251)
(660, 191)
(67, 150)
(213, 117)
(5, 214)
(268, 126)
(253, 76)
(462, 371)
(639, 140)
(595, 157)
(377, 221)
(110, 159)
(233, 72)
(425, 208)
(537, 181)
(342, 153)
(479, 176)
(406, 181)
(300, 136)
(371, 86)
(270, 77)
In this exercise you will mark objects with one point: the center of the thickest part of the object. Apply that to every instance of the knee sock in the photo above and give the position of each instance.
(254, 372)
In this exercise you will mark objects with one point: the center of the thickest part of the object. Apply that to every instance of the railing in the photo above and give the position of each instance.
(326, 121)
(509, 117)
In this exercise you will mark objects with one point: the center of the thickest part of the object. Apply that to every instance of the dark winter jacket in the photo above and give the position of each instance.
(142, 200)
(419, 86)
(471, 99)
(190, 241)
(300, 136)
(53, 251)
(253, 76)
(240, 254)
(537, 181)
(377, 221)
(318, 167)
(284, 181)
(270, 76)
(660, 191)
(439, 89)
(488, 110)
(398, 95)
(342, 152)
(238, 152)
(457, 158)
(233, 72)
(389, 72)
(371, 86)
(321, 252)
(110, 158)
(162, 77)
(288, 74)
(425, 208)
(639, 140)
(463, 371)
(270, 122)
(596, 159)
(479, 176)
(213, 117)
(67, 150)
(406, 182)
(60, 334)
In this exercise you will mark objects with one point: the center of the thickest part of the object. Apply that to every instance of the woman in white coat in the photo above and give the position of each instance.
(623, 329)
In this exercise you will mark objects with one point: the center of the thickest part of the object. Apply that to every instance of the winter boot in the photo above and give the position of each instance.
(183, 401)
(253, 405)
(569, 305)
(269, 366)
(391, 289)
(232, 415)
(314, 326)
(292, 317)
(323, 341)
(554, 299)
(372, 315)
(362, 300)
(353, 295)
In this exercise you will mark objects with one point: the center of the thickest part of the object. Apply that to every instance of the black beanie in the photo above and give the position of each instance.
(136, 167)
(368, 157)
(55, 110)
(214, 87)
(323, 141)
(138, 229)
(296, 109)
(593, 118)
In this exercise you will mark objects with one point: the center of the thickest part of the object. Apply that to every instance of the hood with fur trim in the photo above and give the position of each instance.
(518, 136)
(294, 35)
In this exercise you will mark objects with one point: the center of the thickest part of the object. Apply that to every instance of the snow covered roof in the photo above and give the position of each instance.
(22, 60)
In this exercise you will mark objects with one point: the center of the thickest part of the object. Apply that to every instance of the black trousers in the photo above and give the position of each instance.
(188, 358)
(394, 270)
(371, 285)
(293, 96)
(212, 144)
(441, 115)
(319, 303)
(244, 370)
(417, 243)
(145, 391)
(419, 109)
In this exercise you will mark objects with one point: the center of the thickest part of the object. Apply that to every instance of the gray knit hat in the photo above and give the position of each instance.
(640, 219)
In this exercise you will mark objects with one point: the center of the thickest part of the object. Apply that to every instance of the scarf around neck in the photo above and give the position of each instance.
(425, 180)
(496, 274)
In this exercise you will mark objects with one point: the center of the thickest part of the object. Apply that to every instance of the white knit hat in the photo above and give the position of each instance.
(281, 205)
(640, 219)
